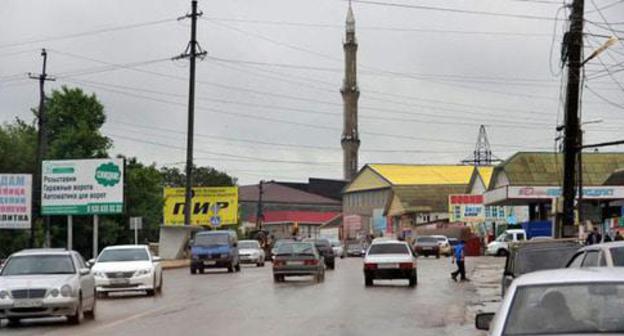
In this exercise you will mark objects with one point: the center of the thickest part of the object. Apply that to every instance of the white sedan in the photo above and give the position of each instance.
(560, 302)
(390, 259)
(250, 252)
(127, 268)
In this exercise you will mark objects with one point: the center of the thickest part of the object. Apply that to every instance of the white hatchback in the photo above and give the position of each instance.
(126, 268)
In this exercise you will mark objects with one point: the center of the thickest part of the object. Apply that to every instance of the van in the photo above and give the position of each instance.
(215, 249)
(500, 246)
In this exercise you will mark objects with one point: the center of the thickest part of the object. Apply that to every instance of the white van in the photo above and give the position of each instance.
(500, 246)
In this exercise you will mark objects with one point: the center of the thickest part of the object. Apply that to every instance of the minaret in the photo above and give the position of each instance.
(350, 93)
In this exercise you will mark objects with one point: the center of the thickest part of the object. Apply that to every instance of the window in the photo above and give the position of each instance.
(617, 254)
(576, 260)
(591, 259)
(603, 260)
(520, 236)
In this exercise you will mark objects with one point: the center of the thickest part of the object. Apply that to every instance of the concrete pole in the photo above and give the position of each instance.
(70, 232)
(96, 220)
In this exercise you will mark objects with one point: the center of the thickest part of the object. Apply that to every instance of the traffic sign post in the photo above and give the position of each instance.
(136, 224)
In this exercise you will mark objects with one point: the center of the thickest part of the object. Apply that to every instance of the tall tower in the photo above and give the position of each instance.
(350, 93)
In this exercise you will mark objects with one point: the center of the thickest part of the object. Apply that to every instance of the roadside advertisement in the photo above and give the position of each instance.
(82, 187)
(214, 206)
(15, 201)
(466, 208)
(379, 221)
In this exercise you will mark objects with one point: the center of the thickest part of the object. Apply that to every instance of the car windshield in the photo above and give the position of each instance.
(335, 243)
(319, 242)
(248, 245)
(566, 309)
(441, 239)
(426, 240)
(39, 264)
(354, 246)
(617, 253)
(127, 254)
(388, 249)
(295, 249)
(211, 239)
(543, 259)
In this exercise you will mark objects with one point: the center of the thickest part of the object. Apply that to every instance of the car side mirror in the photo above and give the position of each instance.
(90, 263)
(483, 321)
(156, 259)
(85, 271)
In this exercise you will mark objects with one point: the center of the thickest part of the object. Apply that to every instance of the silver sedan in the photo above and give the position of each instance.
(46, 282)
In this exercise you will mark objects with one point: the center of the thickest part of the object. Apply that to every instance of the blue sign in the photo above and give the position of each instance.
(215, 221)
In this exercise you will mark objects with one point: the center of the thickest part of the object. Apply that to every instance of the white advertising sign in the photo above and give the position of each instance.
(15, 201)
(82, 187)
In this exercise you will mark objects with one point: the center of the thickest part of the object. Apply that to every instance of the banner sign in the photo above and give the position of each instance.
(466, 208)
(15, 201)
(82, 187)
(352, 223)
(510, 193)
(214, 206)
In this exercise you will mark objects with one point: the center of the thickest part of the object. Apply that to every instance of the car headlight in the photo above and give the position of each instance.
(4, 294)
(54, 292)
(142, 272)
(99, 274)
(66, 291)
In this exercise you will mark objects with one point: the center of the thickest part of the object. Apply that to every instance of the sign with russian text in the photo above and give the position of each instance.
(82, 187)
(466, 208)
(213, 206)
(15, 201)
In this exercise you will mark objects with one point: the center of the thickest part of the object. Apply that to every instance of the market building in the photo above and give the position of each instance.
(533, 180)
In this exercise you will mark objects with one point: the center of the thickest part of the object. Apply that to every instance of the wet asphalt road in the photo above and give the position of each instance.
(249, 303)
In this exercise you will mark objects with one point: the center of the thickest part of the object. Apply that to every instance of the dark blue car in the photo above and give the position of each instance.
(214, 249)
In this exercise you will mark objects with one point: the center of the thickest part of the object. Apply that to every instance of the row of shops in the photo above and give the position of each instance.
(391, 199)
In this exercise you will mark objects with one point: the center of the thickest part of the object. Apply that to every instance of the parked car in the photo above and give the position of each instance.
(390, 259)
(444, 244)
(500, 246)
(338, 247)
(127, 268)
(325, 249)
(453, 242)
(277, 244)
(47, 282)
(530, 256)
(250, 252)
(599, 255)
(560, 302)
(298, 259)
(355, 250)
(215, 249)
(426, 246)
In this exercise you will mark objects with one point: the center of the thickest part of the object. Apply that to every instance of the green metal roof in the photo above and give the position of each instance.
(543, 168)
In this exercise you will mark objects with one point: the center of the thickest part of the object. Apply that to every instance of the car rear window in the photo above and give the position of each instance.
(295, 249)
(427, 240)
(540, 259)
(389, 249)
(618, 256)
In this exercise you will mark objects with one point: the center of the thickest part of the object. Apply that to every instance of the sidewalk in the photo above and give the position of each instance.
(485, 279)
(173, 264)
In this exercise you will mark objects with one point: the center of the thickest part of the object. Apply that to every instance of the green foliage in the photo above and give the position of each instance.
(74, 120)
(18, 144)
(202, 177)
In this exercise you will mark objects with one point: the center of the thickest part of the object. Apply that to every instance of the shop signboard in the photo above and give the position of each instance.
(15, 201)
(211, 206)
(466, 208)
(379, 221)
(82, 187)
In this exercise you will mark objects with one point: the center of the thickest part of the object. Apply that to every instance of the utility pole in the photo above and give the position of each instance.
(573, 44)
(260, 206)
(193, 50)
(42, 149)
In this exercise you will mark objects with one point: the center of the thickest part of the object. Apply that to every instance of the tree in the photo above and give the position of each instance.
(74, 120)
(202, 177)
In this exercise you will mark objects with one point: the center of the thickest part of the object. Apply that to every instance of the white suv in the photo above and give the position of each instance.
(500, 247)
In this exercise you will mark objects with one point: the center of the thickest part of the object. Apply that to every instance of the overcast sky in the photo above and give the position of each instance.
(268, 101)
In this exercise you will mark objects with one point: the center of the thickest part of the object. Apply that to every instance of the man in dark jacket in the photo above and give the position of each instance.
(594, 237)
(618, 236)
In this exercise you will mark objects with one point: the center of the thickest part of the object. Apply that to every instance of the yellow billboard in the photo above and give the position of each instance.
(211, 206)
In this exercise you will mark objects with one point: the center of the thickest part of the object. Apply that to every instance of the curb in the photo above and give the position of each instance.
(175, 264)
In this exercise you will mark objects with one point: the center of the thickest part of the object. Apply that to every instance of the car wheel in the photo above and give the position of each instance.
(91, 313)
(237, 267)
(14, 321)
(413, 281)
(501, 253)
(160, 286)
(368, 281)
(438, 256)
(78, 315)
(277, 278)
(230, 268)
(102, 295)
(331, 265)
(193, 270)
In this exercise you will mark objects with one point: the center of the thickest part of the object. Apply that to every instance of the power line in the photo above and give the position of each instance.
(86, 33)
(454, 10)
(610, 102)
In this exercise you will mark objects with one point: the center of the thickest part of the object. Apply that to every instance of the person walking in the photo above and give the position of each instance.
(458, 257)
(618, 236)
(594, 237)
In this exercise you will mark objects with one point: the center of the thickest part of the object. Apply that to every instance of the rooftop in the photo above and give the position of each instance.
(405, 174)
(275, 192)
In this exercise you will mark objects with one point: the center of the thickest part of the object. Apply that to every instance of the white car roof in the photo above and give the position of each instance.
(387, 241)
(571, 275)
(119, 247)
(42, 251)
(515, 231)
(604, 245)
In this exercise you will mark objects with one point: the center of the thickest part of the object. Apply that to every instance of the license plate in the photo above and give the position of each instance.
(386, 266)
(28, 303)
(120, 281)
(427, 248)
(210, 262)
(295, 263)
